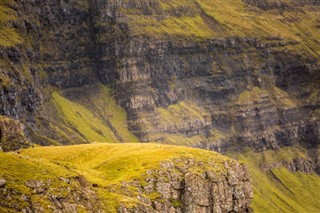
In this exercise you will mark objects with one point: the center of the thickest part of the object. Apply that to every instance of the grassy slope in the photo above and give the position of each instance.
(209, 19)
(106, 165)
(97, 117)
(79, 117)
(178, 115)
(113, 163)
(279, 190)
(18, 170)
(8, 36)
(103, 103)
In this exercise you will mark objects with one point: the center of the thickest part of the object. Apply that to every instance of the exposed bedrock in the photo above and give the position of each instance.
(12, 134)
(213, 92)
(235, 92)
(177, 188)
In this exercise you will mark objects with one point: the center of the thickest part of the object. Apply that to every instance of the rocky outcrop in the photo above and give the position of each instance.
(187, 185)
(179, 179)
(12, 134)
(307, 166)
(47, 197)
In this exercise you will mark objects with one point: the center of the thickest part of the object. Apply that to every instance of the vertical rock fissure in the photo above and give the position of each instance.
(96, 52)
(211, 198)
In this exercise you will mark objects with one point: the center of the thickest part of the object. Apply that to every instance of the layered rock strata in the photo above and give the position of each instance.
(211, 90)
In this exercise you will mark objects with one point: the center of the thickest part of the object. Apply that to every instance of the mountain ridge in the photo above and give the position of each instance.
(224, 76)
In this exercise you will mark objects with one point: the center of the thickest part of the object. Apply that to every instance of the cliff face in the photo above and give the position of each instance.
(219, 76)
(46, 50)
(208, 84)
(182, 72)
(183, 190)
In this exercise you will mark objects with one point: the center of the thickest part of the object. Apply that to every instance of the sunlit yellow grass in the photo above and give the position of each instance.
(97, 117)
(112, 163)
(8, 36)
(104, 165)
(279, 190)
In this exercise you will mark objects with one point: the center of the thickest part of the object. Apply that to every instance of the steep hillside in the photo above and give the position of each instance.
(219, 75)
(213, 74)
(122, 178)
(284, 180)
(251, 74)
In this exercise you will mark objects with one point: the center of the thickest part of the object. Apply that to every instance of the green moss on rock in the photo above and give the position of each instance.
(8, 36)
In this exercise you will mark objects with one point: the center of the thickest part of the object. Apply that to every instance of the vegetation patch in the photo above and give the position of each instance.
(8, 35)
(251, 96)
(92, 117)
(176, 203)
(204, 19)
(105, 164)
(180, 140)
(108, 166)
(277, 97)
(275, 188)
(180, 113)
(183, 140)
(103, 103)
(82, 120)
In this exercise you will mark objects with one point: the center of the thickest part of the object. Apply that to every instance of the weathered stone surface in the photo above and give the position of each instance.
(225, 190)
(55, 195)
(2, 182)
(12, 136)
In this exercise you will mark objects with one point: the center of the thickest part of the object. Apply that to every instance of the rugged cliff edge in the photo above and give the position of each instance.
(209, 74)
(149, 178)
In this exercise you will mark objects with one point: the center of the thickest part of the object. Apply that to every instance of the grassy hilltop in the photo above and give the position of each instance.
(101, 167)
(103, 172)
